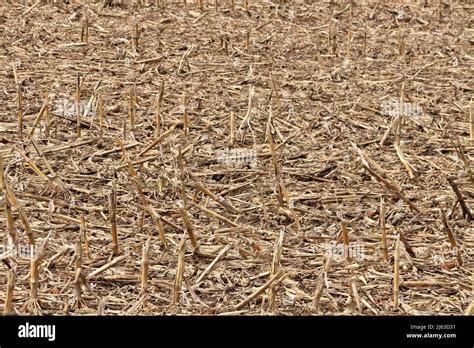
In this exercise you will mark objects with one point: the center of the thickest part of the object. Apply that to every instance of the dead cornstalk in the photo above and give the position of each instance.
(158, 106)
(185, 115)
(396, 272)
(101, 116)
(274, 90)
(132, 108)
(20, 102)
(471, 117)
(320, 285)
(178, 280)
(9, 295)
(383, 230)
(451, 237)
(83, 233)
(12, 233)
(34, 277)
(113, 221)
(277, 251)
(145, 264)
(345, 239)
(232, 129)
(189, 227)
(78, 272)
(466, 212)
(78, 106)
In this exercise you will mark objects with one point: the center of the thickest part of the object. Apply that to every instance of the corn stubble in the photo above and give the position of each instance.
(266, 231)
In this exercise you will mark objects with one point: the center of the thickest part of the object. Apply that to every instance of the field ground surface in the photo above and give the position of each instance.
(287, 158)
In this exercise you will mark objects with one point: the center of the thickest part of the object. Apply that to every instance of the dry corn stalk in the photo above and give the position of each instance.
(145, 264)
(178, 281)
(355, 293)
(471, 117)
(185, 115)
(318, 48)
(274, 90)
(381, 176)
(345, 239)
(452, 238)
(38, 117)
(214, 262)
(273, 152)
(465, 161)
(132, 107)
(113, 221)
(277, 251)
(273, 281)
(89, 104)
(400, 154)
(440, 13)
(159, 226)
(334, 38)
(470, 309)
(466, 212)
(78, 272)
(137, 183)
(218, 216)
(218, 199)
(34, 283)
(101, 115)
(407, 245)
(43, 158)
(401, 43)
(161, 231)
(321, 282)
(32, 165)
(383, 230)
(364, 44)
(232, 129)
(396, 272)
(158, 105)
(349, 42)
(101, 307)
(78, 106)
(282, 193)
(9, 295)
(189, 227)
(35, 254)
(106, 266)
(83, 233)
(23, 217)
(398, 123)
(32, 7)
(12, 233)
(135, 38)
(182, 176)
(157, 141)
(146, 206)
(246, 120)
(328, 36)
(2, 175)
(247, 39)
(85, 31)
(20, 102)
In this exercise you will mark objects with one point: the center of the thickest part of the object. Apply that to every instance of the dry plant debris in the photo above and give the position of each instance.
(236, 157)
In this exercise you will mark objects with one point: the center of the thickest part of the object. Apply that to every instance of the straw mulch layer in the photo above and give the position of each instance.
(246, 160)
